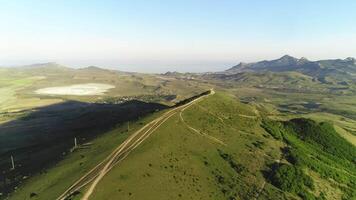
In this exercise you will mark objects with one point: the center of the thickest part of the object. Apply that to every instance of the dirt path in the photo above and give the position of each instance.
(195, 130)
(94, 176)
(112, 162)
(260, 190)
(248, 116)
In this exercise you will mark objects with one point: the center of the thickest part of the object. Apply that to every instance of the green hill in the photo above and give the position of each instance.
(222, 159)
(217, 148)
(313, 150)
(208, 156)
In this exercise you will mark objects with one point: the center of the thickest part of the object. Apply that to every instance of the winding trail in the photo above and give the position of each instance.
(93, 177)
(214, 139)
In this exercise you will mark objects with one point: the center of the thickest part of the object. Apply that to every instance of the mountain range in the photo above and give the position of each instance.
(337, 69)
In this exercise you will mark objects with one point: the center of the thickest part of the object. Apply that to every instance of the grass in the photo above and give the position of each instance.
(9, 86)
(17, 86)
(338, 109)
(50, 183)
(176, 163)
(318, 149)
(39, 139)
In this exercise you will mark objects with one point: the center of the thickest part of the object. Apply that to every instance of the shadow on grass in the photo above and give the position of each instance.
(38, 140)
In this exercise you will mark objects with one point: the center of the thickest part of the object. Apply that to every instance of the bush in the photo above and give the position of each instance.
(294, 156)
(273, 128)
(318, 147)
(324, 135)
(238, 168)
(306, 196)
(291, 179)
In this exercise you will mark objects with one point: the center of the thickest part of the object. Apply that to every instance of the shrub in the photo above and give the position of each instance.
(291, 179)
(294, 156)
(237, 167)
(322, 134)
(273, 128)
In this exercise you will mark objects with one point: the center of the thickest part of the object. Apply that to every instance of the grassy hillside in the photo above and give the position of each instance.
(222, 158)
(318, 153)
(214, 149)
(39, 139)
(51, 182)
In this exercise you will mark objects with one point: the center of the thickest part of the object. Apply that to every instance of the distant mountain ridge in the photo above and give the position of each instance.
(42, 65)
(338, 68)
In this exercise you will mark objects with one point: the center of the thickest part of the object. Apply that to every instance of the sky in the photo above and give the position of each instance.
(158, 36)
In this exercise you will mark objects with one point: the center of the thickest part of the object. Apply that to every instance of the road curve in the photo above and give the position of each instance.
(121, 152)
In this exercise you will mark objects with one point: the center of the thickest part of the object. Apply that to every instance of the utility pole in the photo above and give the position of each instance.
(75, 143)
(128, 126)
(12, 163)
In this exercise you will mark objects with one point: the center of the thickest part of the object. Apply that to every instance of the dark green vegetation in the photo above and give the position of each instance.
(315, 147)
(292, 179)
(324, 136)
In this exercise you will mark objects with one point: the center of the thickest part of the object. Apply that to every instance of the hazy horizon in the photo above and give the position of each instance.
(212, 68)
(194, 36)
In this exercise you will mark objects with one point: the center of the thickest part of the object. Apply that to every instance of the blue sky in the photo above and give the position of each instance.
(157, 36)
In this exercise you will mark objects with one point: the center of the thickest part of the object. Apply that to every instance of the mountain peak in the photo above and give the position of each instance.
(351, 59)
(239, 67)
(304, 59)
(241, 64)
(92, 68)
(44, 65)
(285, 61)
(288, 57)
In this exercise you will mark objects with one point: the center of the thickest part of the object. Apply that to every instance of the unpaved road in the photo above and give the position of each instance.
(94, 176)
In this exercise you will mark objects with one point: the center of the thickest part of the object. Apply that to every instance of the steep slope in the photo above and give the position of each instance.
(285, 63)
(316, 150)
